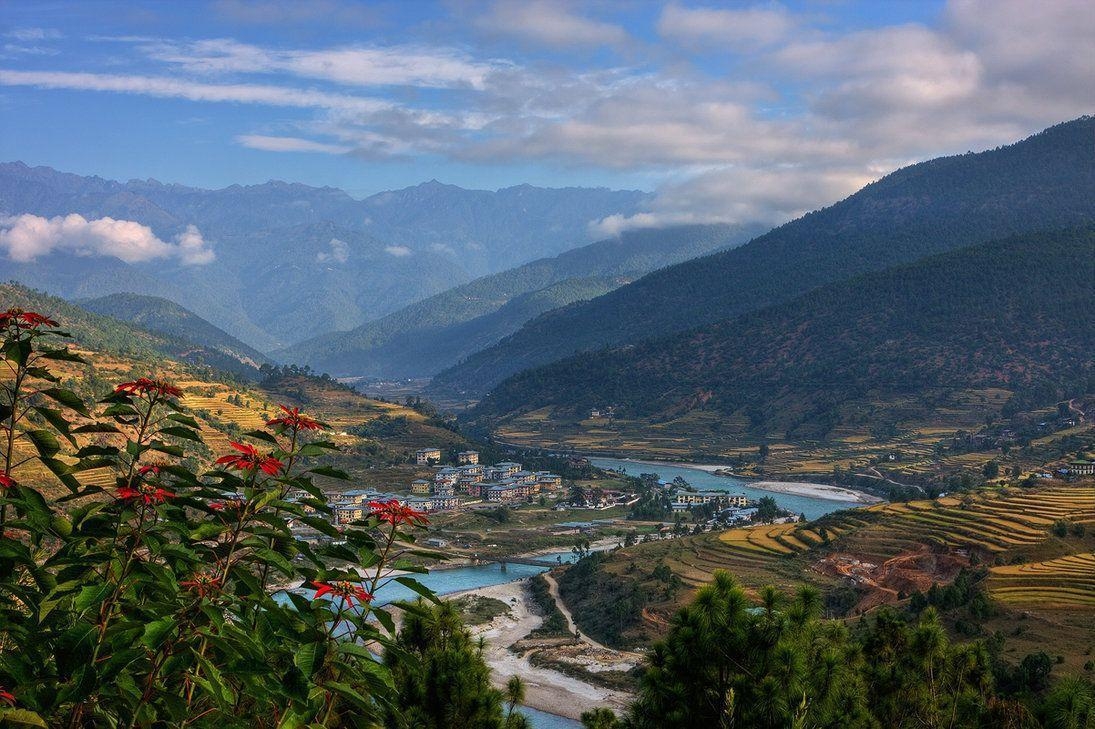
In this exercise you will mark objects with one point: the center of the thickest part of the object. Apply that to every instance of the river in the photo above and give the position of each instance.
(458, 579)
(811, 506)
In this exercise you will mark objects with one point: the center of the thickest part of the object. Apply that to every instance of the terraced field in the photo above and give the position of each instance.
(989, 521)
(1066, 582)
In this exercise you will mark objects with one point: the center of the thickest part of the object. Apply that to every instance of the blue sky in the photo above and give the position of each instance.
(729, 111)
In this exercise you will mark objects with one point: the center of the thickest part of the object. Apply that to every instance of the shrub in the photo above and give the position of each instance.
(150, 603)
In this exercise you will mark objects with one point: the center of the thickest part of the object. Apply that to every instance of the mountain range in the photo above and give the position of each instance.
(1046, 181)
(1016, 314)
(293, 261)
(428, 336)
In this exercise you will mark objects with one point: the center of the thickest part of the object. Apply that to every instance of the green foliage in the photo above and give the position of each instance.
(724, 665)
(149, 603)
(440, 676)
(555, 623)
(727, 664)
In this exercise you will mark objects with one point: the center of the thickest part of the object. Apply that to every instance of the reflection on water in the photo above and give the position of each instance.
(811, 506)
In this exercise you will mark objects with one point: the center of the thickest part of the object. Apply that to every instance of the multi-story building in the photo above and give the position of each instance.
(467, 457)
(424, 456)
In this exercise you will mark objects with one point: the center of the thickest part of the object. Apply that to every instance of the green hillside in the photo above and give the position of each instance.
(426, 337)
(163, 316)
(1017, 314)
(130, 339)
(1044, 182)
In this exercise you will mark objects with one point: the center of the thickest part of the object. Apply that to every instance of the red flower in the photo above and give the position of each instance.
(24, 319)
(146, 492)
(203, 584)
(295, 421)
(348, 591)
(396, 513)
(250, 460)
(153, 469)
(6, 482)
(145, 386)
(7, 697)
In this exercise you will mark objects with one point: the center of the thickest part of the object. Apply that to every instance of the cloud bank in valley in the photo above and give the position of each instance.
(25, 238)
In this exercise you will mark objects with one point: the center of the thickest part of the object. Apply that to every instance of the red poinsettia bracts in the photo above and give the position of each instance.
(146, 386)
(395, 513)
(6, 482)
(25, 319)
(250, 459)
(145, 492)
(150, 470)
(203, 584)
(348, 591)
(293, 420)
(7, 697)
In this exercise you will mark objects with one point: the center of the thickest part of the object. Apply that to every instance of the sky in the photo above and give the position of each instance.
(732, 111)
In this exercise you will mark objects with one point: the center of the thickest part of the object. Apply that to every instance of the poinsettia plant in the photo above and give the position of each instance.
(180, 597)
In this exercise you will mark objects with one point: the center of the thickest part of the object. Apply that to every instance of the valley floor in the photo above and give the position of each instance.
(546, 689)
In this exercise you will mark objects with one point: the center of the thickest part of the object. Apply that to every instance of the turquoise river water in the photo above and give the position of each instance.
(811, 506)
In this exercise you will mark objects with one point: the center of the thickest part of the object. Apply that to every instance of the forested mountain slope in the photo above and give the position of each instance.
(1045, 181)
(162, 316)
(104, 333)
(1016, 314)
(425, 337)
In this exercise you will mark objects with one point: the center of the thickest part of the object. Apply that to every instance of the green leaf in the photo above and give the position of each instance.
(90, 596)
(55, 418)
(61, 355)
(418, 587)
(330, 472)
(20, 717)
(346, 691)
(63, 472)
(156, 631)
(120, 409)
(45, 442)
(180, 432)
(171, 450)
(96, 450)
(68, 399)
(309, 657)
(213, 682)
(262, 435)
(185, 420)
(96, 428)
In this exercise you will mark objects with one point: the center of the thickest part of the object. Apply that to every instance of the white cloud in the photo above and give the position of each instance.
(289, 144)
(26, 237)
(737, 28)
(168, 87)
(549, 23)
(398, 251)
(793, 115)
(28, 35)
(339, 252)
(353, 66)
